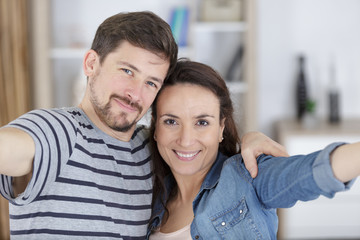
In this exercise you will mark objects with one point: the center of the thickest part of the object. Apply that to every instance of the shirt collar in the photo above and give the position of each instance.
(210, 182)
(213, 175)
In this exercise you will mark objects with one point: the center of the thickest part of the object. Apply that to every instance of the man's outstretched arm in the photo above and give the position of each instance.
(17, 150)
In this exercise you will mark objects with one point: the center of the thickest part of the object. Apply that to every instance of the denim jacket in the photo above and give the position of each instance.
(232, 205)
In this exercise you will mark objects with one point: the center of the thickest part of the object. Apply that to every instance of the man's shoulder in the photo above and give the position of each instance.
(66, 112)
(53, 118)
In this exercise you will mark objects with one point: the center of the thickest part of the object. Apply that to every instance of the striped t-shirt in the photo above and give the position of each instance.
(85, 184)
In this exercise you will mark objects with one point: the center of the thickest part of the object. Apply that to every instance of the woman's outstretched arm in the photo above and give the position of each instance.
(345, 161)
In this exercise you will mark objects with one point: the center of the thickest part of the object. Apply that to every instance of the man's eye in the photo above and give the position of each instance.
(151, 84)
(127, 71)
(170, 122)
(202, 123)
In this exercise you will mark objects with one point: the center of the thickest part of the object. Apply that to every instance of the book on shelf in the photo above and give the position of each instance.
(179, 23)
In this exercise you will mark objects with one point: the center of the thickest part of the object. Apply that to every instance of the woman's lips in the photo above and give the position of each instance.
(186, 156)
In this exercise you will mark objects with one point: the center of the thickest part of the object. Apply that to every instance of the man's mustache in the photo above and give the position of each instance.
(128, 101)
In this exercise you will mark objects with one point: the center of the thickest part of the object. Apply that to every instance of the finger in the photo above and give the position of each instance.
(250, 163)
(276, 150)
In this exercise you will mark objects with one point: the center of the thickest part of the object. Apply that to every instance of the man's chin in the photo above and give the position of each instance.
(123, 127)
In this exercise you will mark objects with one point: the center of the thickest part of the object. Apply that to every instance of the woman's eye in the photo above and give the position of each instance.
(202, 123)
(170, 122)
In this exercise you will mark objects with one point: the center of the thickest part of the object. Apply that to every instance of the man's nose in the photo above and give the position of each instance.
(134, 90)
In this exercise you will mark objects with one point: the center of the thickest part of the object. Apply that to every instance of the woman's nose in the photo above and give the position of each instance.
(186, 136)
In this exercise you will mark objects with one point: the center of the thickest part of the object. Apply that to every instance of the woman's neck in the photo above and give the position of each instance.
(188, 187)
(180, 211)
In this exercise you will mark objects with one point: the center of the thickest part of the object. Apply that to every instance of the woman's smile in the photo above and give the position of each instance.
(186, 156)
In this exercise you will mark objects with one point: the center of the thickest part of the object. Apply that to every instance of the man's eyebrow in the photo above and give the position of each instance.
(157, 80)
(160, 81)
(129, 65)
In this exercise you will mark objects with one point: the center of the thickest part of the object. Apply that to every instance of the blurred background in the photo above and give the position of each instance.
(254, 44)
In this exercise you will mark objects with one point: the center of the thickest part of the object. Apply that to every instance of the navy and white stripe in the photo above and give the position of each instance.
(85, 184)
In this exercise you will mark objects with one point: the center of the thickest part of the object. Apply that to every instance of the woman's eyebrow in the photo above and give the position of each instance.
(205, 116)
(168, 115)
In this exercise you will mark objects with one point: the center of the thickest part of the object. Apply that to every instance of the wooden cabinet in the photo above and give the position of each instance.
(4, 218)
(323, 218)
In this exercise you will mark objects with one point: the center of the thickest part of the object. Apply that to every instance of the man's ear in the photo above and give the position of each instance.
(90, 63)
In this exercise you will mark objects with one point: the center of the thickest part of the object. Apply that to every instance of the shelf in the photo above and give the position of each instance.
(186, 52)
(63, 53)
(74, 53)
(237, 87)
(219, 26)
(321, 127)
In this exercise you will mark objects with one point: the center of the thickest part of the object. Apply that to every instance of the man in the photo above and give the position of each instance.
(90, 165)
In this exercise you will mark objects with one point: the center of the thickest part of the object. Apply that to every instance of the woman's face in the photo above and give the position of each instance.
(188, 129)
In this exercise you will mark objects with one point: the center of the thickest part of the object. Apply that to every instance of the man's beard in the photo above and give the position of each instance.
(110, 119)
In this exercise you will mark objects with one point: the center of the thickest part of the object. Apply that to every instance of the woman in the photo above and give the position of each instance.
(202, 190)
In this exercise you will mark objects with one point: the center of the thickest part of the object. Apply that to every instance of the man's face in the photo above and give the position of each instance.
(124, 86)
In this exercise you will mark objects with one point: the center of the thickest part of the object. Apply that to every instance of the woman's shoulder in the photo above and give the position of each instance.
(233, 161)
(235, 165)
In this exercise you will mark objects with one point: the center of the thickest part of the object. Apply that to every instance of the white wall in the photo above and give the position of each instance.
(319, 29)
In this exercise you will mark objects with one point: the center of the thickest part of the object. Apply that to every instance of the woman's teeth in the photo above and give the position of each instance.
(186, 155)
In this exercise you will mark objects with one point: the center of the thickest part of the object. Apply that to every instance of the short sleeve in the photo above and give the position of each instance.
(51, 131)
